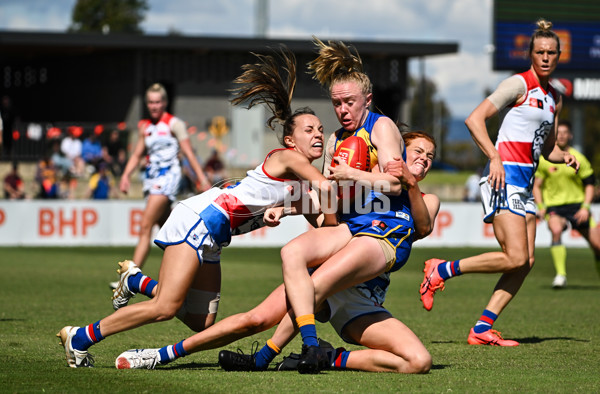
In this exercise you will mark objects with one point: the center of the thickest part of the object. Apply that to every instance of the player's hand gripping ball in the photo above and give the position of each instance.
(355, 153)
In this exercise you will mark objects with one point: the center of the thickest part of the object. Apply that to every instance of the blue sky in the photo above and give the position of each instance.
(461, 78)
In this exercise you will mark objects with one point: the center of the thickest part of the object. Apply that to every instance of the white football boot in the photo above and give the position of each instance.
(122, 294)
(559, 282)
(137, 359)
(75, 358)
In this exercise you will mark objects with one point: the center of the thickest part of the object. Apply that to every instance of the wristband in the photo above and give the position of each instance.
(585, 206)
(541, 206)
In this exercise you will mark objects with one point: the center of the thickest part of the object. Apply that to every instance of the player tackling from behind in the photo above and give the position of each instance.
(199, 227)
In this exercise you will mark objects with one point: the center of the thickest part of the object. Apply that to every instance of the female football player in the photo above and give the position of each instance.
(199, 227)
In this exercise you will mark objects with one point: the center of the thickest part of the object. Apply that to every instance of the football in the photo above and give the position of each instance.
(354, 152)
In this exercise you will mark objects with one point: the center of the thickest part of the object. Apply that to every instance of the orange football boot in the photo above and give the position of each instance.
(489, 337)
(431, 282)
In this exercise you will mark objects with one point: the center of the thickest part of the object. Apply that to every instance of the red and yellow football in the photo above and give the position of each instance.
(354, 152)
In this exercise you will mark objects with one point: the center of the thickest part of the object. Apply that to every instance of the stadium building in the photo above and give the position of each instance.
(59, 80)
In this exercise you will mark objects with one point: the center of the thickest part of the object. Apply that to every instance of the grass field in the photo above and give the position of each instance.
(43, 289)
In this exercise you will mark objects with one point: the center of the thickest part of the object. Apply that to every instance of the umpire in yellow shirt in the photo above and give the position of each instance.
(562, 195)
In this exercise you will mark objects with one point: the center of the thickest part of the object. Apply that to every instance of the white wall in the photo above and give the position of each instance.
(86, 222)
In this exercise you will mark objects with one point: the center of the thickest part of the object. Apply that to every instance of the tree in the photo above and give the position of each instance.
(122, 16)
(429, 113)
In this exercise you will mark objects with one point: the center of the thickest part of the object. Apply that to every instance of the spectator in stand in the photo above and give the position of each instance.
(71, 147)
(102, 184)
(62, 163)
(47, 180)
(91, 151)
(114, 153)
(14, 188)
(214, 168)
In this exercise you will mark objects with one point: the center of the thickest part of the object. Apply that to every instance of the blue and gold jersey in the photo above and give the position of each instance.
(385, 217)
(363, 132)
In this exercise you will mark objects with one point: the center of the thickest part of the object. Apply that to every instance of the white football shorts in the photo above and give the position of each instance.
(518, 200)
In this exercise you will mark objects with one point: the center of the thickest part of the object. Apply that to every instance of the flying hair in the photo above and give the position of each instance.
(263, 83)
(338, 63)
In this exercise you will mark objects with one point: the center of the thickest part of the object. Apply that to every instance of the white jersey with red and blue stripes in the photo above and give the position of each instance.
(239, 209)
(523, 130)
(162, 146)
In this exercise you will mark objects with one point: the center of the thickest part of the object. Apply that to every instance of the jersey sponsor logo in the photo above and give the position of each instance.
(379, 226)
(536, 103)
(402, 215)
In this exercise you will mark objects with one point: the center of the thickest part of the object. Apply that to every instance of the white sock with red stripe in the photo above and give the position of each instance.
(87, 336)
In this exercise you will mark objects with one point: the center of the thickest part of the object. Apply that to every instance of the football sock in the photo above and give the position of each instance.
(140, 283)
(485, 322)
(308, 330)
(341, 360)
(87, 336)
(559, 257)
(171, 352)
(265, 355)
(448, 269)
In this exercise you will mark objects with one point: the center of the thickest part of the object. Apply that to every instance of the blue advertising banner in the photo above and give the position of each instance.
(579, 42)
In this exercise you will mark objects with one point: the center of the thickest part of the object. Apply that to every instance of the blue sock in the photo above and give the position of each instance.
(265, 355)
(309, 335)
(341, 360)
(485, 322)
(449, 269)
(172, 352)
(140, 283)
(87, 336)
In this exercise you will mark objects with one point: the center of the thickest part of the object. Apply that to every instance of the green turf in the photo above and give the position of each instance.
(43, 289)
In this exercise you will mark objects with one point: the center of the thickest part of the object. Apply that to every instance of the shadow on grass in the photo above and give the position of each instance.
(10, 319)
(540, 340)
(573, 287)
(529, 340)
(440, 366)
(189, 366)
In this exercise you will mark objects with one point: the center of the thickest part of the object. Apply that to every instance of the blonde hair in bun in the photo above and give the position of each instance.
(544, 30)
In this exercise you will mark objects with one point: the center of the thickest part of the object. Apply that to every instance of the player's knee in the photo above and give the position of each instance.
(253, 323)
(165, 310)
(290, 254)
(146, 227)
(516, 261)
(421, 363)
(418, 363)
